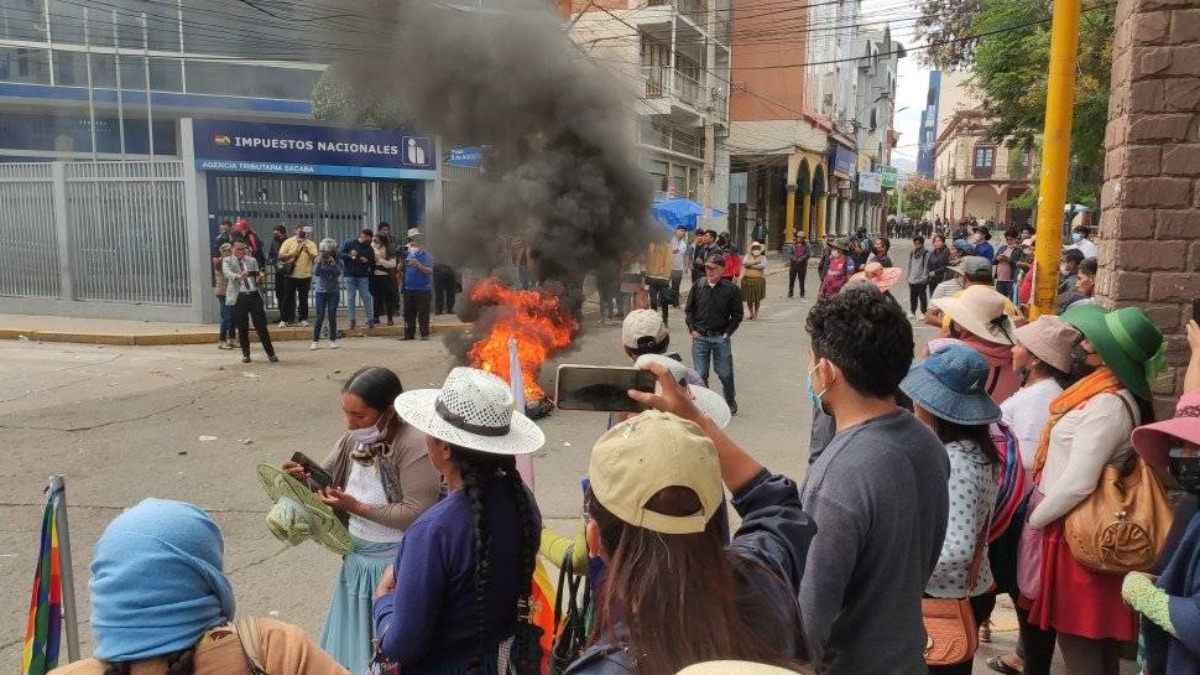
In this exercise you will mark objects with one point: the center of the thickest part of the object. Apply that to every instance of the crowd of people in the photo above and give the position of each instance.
(941, 475)
(378, 274)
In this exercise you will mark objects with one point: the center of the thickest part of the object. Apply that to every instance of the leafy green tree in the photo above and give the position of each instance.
(1005, 44)
(916, 196)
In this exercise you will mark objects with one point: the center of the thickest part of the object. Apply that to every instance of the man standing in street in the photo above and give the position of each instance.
(798, 265)
(679, 260)
(358, 261)
(243, 295)
(418, 286)
(295, 261)
(714, 312)
(759, 233)
(878, 490)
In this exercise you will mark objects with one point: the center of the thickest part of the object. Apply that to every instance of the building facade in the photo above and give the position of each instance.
(928, 132)
(660, 49)
(978, 177)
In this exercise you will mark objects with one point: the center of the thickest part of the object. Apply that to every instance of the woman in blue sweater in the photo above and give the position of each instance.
(465, 566)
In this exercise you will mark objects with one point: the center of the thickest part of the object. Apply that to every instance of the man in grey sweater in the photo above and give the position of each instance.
(878, 494)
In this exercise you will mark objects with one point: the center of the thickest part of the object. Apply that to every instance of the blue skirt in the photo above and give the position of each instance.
(347, 632)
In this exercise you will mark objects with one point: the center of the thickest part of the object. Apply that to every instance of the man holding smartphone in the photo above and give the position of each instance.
(714, 312)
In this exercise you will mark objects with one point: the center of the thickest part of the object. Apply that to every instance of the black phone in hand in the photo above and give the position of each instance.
(315, 473)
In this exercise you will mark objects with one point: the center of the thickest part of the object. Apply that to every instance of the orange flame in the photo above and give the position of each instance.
(536, 318)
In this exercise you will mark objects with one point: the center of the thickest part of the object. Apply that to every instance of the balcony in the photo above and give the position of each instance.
(695, 13)
(680, 99)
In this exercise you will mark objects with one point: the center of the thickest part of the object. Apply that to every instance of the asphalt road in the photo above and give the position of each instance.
(124, 424)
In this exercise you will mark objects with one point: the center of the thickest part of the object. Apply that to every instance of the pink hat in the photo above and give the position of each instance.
(1049, 339)
(883, 277)
(1153, 441)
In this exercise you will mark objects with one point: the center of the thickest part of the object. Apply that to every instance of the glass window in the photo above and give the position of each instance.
(253, 81)
(31, 66)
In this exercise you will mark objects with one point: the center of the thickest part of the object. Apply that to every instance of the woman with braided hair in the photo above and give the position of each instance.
(161, 604)
(459, 590)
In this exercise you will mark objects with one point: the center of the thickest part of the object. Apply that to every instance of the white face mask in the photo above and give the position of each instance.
(1062, 269)
(371, 434)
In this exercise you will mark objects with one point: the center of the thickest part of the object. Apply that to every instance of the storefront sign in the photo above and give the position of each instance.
(468, 157)
(322, 151)
(887, 177)
(869, 182)
(843, 162)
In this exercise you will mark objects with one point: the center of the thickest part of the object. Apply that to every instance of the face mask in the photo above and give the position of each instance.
(371, 434)
(813, 395)
(1062, 269)
(1079, 367)
(1076, 236)
(414, 248)
(1185, 468)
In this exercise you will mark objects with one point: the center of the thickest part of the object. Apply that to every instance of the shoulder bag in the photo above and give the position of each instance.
(952, 634)
(572, 606)
(1123, 525)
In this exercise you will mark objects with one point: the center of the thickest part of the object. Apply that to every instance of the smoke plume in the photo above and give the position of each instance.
(562, 167)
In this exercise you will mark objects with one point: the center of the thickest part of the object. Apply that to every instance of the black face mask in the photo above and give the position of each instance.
(1079, 367)
(1185, 470)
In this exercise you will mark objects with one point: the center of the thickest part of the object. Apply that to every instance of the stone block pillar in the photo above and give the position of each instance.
(1150, 222)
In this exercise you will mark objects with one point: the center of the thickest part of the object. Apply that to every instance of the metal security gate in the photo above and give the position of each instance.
(106, 231)
(29, 255)
(129, 232)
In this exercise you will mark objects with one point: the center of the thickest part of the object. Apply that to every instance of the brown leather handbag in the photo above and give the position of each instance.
(1122, 526)
(952, 634)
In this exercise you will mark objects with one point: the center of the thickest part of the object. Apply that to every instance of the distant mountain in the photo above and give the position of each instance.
(904, 165)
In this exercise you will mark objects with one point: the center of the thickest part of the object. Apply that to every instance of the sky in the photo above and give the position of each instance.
(912, 82)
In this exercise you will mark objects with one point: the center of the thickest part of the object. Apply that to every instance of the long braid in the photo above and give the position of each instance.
(529, 547)
(473, 476)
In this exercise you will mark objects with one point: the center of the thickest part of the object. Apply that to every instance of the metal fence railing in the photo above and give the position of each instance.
(125, 226)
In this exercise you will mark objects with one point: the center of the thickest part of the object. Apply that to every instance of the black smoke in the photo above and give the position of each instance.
(561, 169)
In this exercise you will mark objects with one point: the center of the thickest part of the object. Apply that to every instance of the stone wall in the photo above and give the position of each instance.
(1150, 223)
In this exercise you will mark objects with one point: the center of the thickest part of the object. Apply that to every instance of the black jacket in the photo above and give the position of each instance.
(768, 553)
(716, 309)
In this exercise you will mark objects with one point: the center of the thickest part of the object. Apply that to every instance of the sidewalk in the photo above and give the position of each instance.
(149, 333)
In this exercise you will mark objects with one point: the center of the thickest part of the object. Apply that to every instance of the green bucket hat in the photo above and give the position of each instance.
(297, 514)
(1127, 340)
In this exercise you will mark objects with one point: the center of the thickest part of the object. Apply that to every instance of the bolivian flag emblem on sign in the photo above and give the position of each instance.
(222, 139)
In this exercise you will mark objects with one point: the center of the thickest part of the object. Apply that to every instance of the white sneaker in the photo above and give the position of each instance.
(333, 345)
(304, 324)
(283, 324)
(313, 346)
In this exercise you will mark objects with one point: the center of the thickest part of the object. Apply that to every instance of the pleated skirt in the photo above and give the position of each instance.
(347, 631)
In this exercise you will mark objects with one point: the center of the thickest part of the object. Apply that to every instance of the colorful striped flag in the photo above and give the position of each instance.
(43, 632)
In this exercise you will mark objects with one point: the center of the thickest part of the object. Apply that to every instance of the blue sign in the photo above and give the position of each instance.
(258, 147)
(472, 157)
(843, 162)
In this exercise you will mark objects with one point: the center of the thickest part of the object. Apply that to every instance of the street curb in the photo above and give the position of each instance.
(296, 334)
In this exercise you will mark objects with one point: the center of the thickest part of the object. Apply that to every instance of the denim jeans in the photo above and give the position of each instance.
(362, 287)
(326, 310)
(226, 331)
(719, 351)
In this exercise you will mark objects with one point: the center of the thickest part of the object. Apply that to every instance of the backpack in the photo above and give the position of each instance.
(247, 632)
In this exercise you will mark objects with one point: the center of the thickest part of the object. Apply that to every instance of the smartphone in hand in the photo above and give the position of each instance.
(601, 388)
(315, 473)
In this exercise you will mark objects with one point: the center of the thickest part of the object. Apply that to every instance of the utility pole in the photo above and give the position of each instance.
(1056, 152)
(710, 113)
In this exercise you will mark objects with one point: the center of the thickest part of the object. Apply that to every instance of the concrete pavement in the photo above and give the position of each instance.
(125, 423)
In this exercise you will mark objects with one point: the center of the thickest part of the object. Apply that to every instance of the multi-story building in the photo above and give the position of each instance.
(135, 127)
(871, 123)
(778, 145)
(976, 176)
(928, 132)
(660, 48)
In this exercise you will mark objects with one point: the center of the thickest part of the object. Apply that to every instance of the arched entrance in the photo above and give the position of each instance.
(803, 194)
(982, 202)
(817, 199)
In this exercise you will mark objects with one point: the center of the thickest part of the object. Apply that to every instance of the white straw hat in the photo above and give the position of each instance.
(297, 514)
(472, 410)
(708, 401)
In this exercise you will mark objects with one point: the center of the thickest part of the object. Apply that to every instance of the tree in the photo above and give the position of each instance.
(1006, 46)
(917, 195)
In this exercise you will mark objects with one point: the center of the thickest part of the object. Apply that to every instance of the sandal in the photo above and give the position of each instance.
(1000, 665)
(985, 631)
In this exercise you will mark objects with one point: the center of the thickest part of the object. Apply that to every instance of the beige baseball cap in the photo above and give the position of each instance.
(646, 454)
(641, 324)
(734, 668)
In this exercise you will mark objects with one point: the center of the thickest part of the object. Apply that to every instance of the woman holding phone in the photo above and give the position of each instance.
(382, 480)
